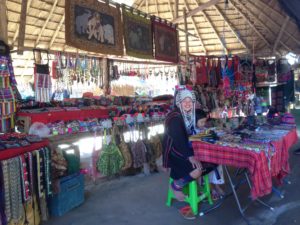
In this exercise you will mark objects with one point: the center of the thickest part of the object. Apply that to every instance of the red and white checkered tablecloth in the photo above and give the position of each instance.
(256, 163)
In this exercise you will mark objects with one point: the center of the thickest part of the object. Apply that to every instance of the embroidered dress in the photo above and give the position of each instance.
(42, 83)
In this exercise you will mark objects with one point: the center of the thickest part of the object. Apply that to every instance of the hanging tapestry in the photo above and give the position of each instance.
(166, 42)
(93, 26)
(42, 83)
(137, 35)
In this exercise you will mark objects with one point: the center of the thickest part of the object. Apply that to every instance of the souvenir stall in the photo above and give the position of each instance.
(101, 88)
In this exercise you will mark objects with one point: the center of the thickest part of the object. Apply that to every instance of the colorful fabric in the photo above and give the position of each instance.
(166, 42)
(42, 83)
(111, 160)
(137, 35)
(256, 162)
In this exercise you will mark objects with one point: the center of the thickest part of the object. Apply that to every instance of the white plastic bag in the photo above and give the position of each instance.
(39, 129)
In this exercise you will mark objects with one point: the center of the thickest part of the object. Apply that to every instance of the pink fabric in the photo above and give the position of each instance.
(256, 163)
(49, 117)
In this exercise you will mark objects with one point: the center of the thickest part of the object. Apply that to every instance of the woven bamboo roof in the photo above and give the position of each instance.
(241, 26)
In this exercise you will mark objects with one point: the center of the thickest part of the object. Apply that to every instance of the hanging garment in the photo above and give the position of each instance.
(237, 72)
(111, 160)
(202, 77)
(14, 211)
(213, 74)
(42, 83)
(138, 150)
(3, 220)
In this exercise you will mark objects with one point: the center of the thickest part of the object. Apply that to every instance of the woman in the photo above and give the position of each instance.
(178, 154)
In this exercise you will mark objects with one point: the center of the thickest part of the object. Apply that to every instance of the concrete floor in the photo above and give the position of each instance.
(141, 201)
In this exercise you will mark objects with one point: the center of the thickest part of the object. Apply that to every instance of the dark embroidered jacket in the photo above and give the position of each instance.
(175, 141)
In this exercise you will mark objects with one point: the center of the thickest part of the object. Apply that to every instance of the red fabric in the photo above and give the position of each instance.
(49, 117)
(13, 152)
(256, 163)
(202, 76)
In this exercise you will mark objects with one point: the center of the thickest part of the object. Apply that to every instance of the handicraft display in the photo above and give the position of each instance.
(93, 26)
(137, 35)
(166, 42)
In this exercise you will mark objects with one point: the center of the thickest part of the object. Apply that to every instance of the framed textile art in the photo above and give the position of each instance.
(166, 42)
(93, 26)
(137, 35)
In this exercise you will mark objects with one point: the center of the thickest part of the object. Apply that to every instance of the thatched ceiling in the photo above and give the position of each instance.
(241, 26)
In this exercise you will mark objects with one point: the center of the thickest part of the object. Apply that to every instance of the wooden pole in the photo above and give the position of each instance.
(3, 22)
(176, 8)
(186, 37)
(22, 27)
(105, 76)
(196, 10)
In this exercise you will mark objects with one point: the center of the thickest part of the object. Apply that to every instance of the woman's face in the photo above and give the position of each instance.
(187, 104)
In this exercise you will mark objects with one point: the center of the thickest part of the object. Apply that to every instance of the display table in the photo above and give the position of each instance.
(13, 152)
(256, 162)
(66, 115)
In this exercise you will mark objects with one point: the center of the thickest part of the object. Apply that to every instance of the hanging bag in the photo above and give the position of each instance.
(42, 80)
(110, 161)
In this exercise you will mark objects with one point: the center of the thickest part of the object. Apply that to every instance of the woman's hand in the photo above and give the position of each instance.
(196, 164)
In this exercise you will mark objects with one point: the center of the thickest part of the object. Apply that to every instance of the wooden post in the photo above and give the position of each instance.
(105, 76)
(3, 21)
(186, 37)
(22, 27)
(176, 8)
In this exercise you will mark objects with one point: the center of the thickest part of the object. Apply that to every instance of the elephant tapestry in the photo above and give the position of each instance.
(166, 42)
(93, 26)
(137, 36)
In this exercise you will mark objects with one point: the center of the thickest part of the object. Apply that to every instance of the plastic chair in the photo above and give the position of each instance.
(192, 191)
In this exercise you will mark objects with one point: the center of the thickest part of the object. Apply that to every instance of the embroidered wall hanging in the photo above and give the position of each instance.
(166, 42)
(93, 26)
(137, 35)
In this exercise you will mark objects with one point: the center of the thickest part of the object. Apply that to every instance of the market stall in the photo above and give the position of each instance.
(88, 100)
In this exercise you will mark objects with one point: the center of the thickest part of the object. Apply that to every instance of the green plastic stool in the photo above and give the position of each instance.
(191, 191)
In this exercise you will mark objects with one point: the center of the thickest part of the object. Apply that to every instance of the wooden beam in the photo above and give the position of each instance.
(18, 25)
(156, 6)
(3, 22)
(231, 27)
(171, 9)
(262, 24)
(215, 31)
(140, 5)
(46, 23)
(186, 37)
(147, 6)
(265, 5)
(196, 10)
(195, 27)
(57, 31)
(287, 18)
(251, 24)
(274, 23)
(212, 26)
(22, 27)
(176, 8)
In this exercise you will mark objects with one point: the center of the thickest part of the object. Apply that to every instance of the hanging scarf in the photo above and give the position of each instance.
(3, 220)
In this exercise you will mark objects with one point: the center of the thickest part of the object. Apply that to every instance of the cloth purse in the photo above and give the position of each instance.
(110, 161)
